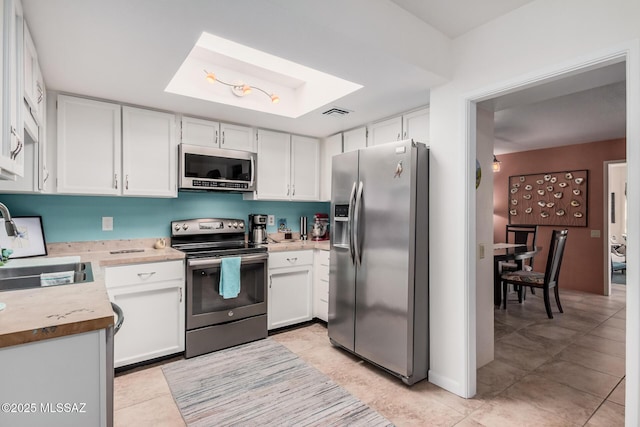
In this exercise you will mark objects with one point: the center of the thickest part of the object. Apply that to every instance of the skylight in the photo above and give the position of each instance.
(300, 89)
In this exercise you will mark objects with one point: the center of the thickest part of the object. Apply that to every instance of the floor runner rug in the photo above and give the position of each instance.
(262, 384)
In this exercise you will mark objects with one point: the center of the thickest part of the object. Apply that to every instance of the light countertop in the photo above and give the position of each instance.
(42, 313)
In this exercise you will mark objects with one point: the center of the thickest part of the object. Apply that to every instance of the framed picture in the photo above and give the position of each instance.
(550, 198)
(30, 239)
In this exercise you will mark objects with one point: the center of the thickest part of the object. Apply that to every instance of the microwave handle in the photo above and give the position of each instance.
(253, 171)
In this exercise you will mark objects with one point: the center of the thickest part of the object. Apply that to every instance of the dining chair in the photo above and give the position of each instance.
(546, 280)
(521, 234)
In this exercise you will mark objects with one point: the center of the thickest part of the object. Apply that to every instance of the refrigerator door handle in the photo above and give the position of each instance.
(352, 199)
(356, 225)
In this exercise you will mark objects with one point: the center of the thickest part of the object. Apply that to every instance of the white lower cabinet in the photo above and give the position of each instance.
(151, 296)
(73, 370)
(290, 288)
(321, 285)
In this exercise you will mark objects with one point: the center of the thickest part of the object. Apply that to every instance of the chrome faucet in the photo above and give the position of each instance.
(10, 226)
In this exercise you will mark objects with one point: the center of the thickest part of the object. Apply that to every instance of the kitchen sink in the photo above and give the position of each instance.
(36, 276)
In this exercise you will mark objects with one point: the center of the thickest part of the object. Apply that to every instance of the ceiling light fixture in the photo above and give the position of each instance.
(496, 164)
(240, 89)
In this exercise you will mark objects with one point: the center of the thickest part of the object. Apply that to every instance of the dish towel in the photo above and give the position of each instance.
(57, 278)
(230, 277)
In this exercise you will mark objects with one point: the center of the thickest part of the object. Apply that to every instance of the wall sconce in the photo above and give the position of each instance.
(240, 89)
(496, 164)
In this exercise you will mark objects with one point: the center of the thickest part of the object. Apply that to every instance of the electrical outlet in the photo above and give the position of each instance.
(595, 233)
(271, 220)
(107, 223)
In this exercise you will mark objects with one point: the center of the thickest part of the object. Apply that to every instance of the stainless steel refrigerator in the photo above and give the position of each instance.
(379, 274)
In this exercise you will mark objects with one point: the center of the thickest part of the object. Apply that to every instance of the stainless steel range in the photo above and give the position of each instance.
(213, 322)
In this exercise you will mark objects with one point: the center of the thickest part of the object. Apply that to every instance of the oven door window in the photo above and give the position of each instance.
(222, 168)
(205, 296)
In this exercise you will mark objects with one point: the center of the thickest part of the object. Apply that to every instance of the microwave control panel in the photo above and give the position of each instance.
(220, 184)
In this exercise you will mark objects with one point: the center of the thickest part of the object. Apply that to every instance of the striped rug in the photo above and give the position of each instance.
(262, 384)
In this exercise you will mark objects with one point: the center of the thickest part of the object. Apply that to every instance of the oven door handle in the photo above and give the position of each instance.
(216, 261)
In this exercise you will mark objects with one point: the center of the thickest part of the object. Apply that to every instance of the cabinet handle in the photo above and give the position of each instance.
(398, 137)
(288, 189)
(222, 137)
(405, 135)
(126, 182)
(145, 276)
(46, 176)
(115, 180)
(292, 260)
(14, 153)
(180, 295)
(216, 137)
(270, 281)
(293, 193)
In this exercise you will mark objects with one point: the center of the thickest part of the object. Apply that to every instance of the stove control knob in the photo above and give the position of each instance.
(235, 225)
(241, 225)
(177, 227)
(185, 226)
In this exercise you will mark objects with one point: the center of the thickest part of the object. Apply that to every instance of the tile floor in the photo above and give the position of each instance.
(566, 371)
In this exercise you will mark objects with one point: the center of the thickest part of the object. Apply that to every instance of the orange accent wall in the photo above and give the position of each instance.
(583, 262)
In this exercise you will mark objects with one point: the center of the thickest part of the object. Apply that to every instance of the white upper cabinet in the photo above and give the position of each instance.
(274, 165)
(288, 166)
(415, 125)
(200, 132)
(149, 149)
(214, 134)
(12, 127)
(354, 139)
(33, 82)
(89, 147)
(385, 131)
(235, 137)
(305, 168)
(100, 154)
(329, 147)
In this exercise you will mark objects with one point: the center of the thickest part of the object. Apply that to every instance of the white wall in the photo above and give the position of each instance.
(525, 45)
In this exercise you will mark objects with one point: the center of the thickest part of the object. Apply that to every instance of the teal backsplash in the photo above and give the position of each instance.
(79, 218)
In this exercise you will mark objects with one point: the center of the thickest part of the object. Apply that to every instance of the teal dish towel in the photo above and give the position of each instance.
(230, 277)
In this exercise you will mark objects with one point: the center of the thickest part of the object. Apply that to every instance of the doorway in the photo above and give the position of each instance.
(616, 250)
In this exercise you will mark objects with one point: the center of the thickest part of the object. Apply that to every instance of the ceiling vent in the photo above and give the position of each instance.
(336, 111)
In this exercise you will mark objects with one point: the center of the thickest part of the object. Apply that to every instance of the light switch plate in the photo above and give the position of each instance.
(595, 233)
(107, 223)
(271, 220)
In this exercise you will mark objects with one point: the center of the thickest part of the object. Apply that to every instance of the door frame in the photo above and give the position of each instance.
(628, 52)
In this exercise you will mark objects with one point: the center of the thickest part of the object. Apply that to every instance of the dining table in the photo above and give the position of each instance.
(508, 252)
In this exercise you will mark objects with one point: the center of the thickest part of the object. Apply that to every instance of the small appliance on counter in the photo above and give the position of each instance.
(320, 227)
(257, 229)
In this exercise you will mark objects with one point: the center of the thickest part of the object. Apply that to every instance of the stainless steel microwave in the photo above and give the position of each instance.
(210, 168)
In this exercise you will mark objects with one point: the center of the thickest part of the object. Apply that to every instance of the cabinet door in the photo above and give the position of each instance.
(386, 131)
(234, 137)
(153, 321)
(289, 298)
(149, 151)
(415, 125)
(329, 147)
(200, 132)
(354, 139)
(273, 165)
(29, 68)
(12, 155)
(305, 166)
(89, 144)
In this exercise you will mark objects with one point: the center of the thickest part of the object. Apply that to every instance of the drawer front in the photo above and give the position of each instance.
(323, 290)
(290, 259)
(135, 274)
(323, 257)
(323, 272)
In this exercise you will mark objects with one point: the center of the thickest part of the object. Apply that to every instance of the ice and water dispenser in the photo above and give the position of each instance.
(341, 226)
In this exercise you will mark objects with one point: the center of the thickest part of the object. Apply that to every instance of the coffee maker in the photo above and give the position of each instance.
(257, 229)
